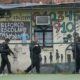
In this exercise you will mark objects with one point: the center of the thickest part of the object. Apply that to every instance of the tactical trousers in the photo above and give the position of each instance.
(34, 64)
(4, 62)
(77, 64)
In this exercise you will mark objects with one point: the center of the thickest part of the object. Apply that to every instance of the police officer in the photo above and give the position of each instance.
(76, 51)
(77, 56)
(35, 56)
(4, 56)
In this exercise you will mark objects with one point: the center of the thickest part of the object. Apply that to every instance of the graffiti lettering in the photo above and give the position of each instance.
(69, 14)
(63, 21)
(69, 27)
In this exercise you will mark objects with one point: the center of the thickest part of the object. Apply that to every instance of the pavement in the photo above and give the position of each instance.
(56, 68)
(40, 77)
(48, 72)
(53, 68)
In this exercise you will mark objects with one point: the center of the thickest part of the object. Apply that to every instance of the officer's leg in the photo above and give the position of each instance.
(38, 67)
(2, 65)
(8, 65)
(30, 68)
(77, 65)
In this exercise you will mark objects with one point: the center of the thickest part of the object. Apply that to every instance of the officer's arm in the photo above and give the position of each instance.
(39, 49)
(11, 51)
(30, 48)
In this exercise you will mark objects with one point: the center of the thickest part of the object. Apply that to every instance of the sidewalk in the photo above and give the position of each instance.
(41, 77)
(56, 68)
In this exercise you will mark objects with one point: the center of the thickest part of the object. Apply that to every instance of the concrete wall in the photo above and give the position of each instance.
(61, 28)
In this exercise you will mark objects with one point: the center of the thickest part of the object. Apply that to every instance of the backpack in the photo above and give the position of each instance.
(2, 48)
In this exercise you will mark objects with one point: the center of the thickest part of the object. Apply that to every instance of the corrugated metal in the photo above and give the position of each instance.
(37, 5)
(21, 5)
(37, 1)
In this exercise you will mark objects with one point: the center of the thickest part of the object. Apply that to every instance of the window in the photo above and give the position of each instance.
(45, 37)
(48, 39)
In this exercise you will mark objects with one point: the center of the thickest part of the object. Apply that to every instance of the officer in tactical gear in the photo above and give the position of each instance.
(35, 56)
(76, 51)
(4, 56)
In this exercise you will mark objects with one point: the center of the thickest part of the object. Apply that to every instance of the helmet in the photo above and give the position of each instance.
(7, 39)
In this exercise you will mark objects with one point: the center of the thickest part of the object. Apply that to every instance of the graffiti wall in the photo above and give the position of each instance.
(13, 30)
(63, 25)
(17, 27)
(64, 22)
(15, 24)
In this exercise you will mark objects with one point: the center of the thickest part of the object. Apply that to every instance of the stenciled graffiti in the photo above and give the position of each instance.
(13, 30)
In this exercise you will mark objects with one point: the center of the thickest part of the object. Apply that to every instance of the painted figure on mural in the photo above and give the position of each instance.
(51, 58)
(4, 56)
(35, 57)
(45, 59)
(57, 55)
(61, 57)
(24, 36)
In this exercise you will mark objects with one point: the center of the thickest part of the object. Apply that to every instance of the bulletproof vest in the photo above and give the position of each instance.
(36, 50)
(4, 49)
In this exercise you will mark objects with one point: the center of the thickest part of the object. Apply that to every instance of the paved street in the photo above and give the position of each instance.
(57, 68)
(41, 77)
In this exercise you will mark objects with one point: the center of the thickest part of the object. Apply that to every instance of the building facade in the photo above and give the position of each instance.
(53, 28)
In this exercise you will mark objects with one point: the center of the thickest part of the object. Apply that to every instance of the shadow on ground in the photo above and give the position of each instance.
(56, 68)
